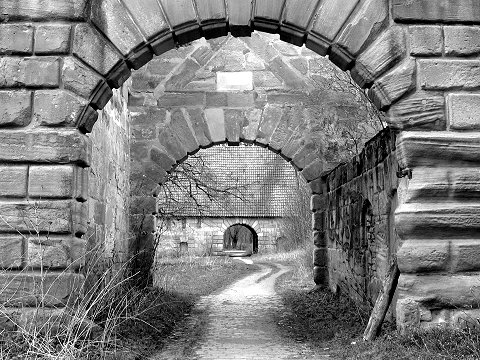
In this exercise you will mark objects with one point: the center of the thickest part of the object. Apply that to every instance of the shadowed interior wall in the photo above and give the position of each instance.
(109, 182)
(357, 209)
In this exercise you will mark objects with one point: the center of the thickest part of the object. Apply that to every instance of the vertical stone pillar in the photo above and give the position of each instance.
(438, 222)
(320, 252)
(43, 215)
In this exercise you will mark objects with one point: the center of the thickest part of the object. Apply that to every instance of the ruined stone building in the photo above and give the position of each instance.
(100, 100)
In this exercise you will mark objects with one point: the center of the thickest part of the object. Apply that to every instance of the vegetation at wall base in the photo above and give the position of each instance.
(130, 322)
(334, 324)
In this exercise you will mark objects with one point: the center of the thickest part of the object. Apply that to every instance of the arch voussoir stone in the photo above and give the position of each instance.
(88, 43)
(387, 51)
(297, 17)
(114, 21)
(393, 85)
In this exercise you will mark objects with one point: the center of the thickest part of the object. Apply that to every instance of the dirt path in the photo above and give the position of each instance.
(238, 323)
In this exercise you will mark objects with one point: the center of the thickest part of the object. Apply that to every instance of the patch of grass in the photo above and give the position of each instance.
(197, 276)
(432, 344)
(318, 316)
(129, 323)
(180, 282)
(327, 321)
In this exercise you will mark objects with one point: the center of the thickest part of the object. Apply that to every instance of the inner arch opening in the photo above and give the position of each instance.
(240, 239)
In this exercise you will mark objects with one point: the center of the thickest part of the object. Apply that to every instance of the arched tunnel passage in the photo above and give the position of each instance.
(242, 238)
(82, 52)
(226, 185)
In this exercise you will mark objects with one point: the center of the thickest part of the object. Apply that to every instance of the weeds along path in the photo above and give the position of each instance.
(240, 322)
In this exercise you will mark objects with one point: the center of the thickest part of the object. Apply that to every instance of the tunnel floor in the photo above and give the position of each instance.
(240, 322)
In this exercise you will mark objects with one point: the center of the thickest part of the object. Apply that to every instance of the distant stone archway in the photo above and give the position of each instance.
(416, 58)
(240, 237)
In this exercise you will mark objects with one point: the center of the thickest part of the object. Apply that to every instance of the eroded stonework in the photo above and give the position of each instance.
(418, 60)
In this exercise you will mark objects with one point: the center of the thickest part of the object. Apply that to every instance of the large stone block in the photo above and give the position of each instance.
(408, 314)
(462, 40)
(40, 216)
(33, 288)
(15, 108)
(438, 221)
(290, 120)
(250, 126)
(13, 181)
(298, 13)
(213, 17)
(318, 221)
(16, 39)
(318, 202)
(55, 181)
(181, 128)
(52, 38)
(442, 290)
(78, 78)
(183, 76)
(365, 26)
(45, 10)
(320, 275)
(426, 40)
(215, 119)
(149, 16)
(266, 15)
(465, 255)
(170, 142)
(320, 257)
(382, 55)
(394, 85)
(36, 72)
(416, 148)
(53, 146)
(12, 253)
(114, 21)
(55, 253)
(421, 110)
(329, 20)
(240, 99)
(444, 74)
(57, 108)
(319, 239)
(443, 11)
(196, 118)
(416, 256)
(179, 100)
(305, 155)
(234, 120)
(239, 16)
(179, 12)
(272, 114)
(90, 46)
(285, 73)
(463, 111)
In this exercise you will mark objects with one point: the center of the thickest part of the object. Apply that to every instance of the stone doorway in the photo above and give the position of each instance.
(242, 238)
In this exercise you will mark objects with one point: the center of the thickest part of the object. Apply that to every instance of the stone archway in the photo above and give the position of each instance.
(411, 56)
(240, 237)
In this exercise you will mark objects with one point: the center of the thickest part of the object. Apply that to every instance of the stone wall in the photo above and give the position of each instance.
(205, 235)
(109, 180)
(258, 90)
(60, 59)
(358, 205)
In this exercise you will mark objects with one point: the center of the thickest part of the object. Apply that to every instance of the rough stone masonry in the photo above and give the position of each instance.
(60, 60)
